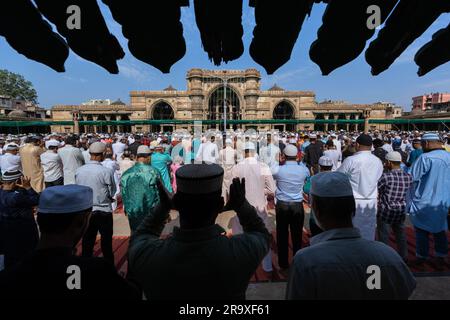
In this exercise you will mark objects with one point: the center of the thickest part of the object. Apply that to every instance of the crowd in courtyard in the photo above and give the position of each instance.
(59, 190)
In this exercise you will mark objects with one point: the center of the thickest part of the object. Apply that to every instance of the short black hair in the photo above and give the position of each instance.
(330, 143)
(56, 223)
(336, 209)
(326, 168)
(377, 143)
(72, 140)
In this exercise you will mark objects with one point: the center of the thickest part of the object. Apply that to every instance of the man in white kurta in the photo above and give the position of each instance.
(364, 170)
(270, 154)
(72, 159)
(259, 183)
(208, 152)
(227, 159)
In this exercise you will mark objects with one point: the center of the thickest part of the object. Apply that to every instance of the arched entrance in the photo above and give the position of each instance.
(216, 107)
(284, 111)
(162, 111)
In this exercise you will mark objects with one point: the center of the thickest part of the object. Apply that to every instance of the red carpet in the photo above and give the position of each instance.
(120, 247)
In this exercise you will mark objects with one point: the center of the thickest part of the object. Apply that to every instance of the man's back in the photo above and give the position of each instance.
(364, 170)
(72, 159)
(101, 180)
(290, 180)
(429, 199)
(139, 192)
(339, 265)
(45, 275)
(10, 162)
(197, 264)
(259, 181)
(52, 165)
(313, 153)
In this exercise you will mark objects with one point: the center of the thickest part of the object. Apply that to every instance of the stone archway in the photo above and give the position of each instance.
(284, 110)
(216, 106)
(162, 110)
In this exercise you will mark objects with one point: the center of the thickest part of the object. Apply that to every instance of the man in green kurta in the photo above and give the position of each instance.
(161, 161)
(139, 190)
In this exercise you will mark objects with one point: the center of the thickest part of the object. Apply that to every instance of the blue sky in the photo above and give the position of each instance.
(84, 80)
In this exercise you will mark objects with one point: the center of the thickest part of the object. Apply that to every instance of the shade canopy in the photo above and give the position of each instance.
(155, 33)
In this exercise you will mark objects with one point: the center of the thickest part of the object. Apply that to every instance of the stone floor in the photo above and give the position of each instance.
(434, 288)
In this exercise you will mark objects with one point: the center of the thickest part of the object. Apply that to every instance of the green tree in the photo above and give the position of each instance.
(17, 87)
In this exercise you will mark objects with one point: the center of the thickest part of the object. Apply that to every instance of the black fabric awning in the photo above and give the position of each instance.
(155, 32)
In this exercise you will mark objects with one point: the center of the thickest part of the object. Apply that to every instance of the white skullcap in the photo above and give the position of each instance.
(97, 148)
(325, 162)
(250, 146)
(143, 150)
(53, 143)
(228, 141)
(331, 185)
(394, 156)
(291, 150)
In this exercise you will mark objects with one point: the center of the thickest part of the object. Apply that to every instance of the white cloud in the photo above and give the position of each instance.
(134, 72)
(291, 76)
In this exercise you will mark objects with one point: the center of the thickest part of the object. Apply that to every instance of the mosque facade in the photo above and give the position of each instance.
(213, 96)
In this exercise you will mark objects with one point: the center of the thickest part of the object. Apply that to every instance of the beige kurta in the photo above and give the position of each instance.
(227, 159)
(259, 183)
(31, 165)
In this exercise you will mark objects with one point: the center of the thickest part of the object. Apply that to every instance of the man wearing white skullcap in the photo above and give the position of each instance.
(392, 190)
(259, 186)
(290, 179)
(10, 161)
(430, 199)
(52, 165)
(336, 264)
(227, 159)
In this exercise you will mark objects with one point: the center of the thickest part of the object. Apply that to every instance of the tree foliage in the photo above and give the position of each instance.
(17, 87)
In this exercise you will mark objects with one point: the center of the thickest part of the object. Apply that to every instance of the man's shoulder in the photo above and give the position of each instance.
(326, 252)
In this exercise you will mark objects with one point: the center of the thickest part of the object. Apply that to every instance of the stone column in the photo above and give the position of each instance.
(347, 117)
(357, 125)
(108, 118)
(326, 117)
(95, 118)
(366, 121)
(119, 127)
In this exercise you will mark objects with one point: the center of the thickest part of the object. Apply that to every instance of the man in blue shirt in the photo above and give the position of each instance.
(416, 153)
(290, 214)
(429, 200)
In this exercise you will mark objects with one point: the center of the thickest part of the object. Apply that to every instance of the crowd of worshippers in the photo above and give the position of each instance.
(60, 191)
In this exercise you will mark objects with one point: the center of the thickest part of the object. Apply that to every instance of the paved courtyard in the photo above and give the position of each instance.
(428, 288)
